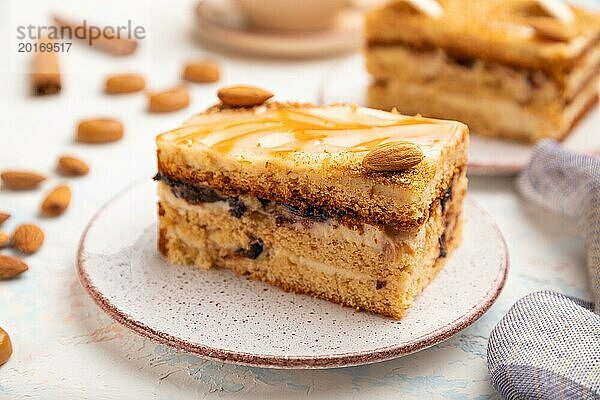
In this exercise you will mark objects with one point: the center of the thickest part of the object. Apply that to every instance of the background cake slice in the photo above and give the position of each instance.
(504, 67)
(281, 192)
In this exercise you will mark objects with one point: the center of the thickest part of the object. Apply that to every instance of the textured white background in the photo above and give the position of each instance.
(64, 347)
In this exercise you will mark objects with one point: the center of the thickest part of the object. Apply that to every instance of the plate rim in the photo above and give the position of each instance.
(283, 362)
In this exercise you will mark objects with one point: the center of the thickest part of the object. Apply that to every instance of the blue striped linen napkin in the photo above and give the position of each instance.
(548, 345)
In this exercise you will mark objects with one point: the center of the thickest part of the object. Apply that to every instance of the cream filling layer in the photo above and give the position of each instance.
(581, 101)
(370, 236)
(427, 260)
(538, 122)
(306, 262)
(404, 63)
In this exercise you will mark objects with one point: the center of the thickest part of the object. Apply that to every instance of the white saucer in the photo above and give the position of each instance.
(218, 22)
(219, 315)
(348, 82)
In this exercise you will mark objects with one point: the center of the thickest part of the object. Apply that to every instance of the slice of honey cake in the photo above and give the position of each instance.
(349, 204)
(508, 68)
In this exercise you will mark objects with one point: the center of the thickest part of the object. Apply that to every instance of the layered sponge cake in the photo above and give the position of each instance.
(353, 205)
(517, 69)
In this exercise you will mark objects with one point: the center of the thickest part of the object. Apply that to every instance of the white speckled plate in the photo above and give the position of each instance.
(219, 315)
(348, 81)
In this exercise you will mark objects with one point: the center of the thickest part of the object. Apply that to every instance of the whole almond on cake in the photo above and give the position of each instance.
(243, 96)
(11, 266)
(393, 156)
(21, 179)
(27, 238)
(56, 201)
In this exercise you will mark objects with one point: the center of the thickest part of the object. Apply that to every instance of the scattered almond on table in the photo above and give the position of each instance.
(4, 239)
(72, 166)
(21, 180)
(124, 83)
(27, 238)
(5, 347)
(10, 267)
(202, 71)
(45, 76)
(99, 130)
(107, 41)
(243, 96)
(3, 217)
(169, 100)
(56, 201)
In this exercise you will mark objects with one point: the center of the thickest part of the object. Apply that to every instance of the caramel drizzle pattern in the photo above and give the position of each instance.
(310, 128)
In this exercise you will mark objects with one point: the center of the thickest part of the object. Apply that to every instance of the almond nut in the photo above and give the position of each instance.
(124, 83)
(100, 130)
(552, 30)
(5, 347)
(10, 267)
(243, 96)
(4, 239)
(201, 72)
(3, 217)
(27, 238)
(430, 8)
(393, 156)
(56, 201)
(21, 180)
(169, 100)
(71, 166)
(557, 9)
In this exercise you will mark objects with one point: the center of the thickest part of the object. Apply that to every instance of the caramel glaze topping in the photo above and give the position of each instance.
(302, 130)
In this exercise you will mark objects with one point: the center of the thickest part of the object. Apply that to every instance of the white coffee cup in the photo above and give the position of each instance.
(291, 15)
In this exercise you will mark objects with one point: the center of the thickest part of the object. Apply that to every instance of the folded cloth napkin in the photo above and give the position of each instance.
(569, 183)
(548, 345)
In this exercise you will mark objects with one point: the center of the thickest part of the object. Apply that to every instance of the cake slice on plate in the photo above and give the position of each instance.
(357, 206)
(518, 69)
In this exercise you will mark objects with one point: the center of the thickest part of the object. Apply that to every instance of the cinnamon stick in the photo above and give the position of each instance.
(45, 75)
(105, 42)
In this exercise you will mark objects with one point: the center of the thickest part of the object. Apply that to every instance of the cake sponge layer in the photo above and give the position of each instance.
(365, 267)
